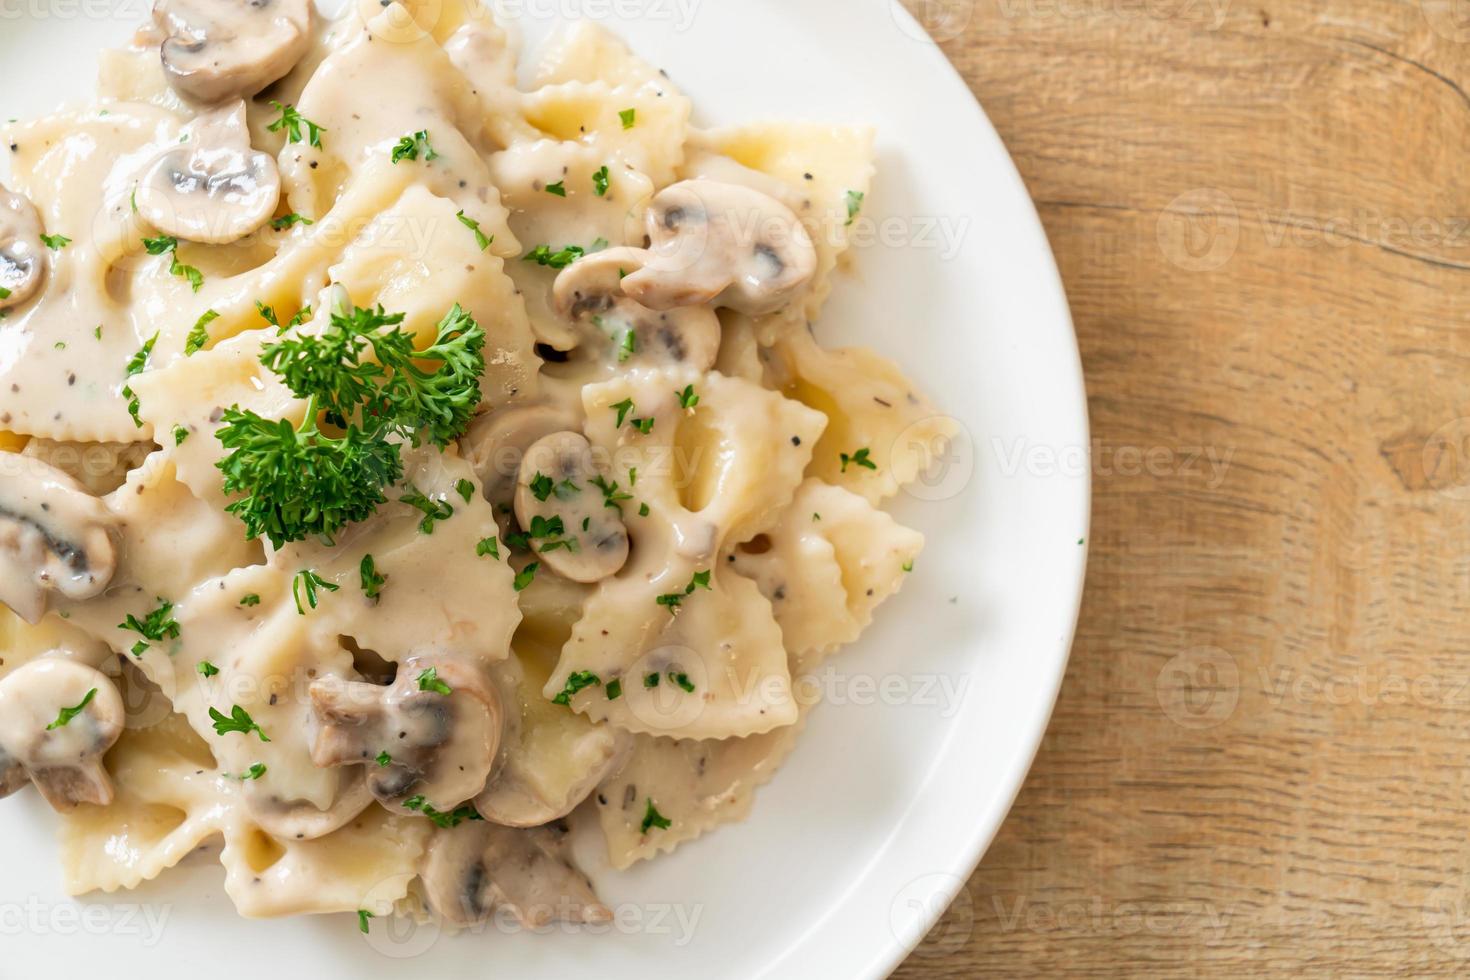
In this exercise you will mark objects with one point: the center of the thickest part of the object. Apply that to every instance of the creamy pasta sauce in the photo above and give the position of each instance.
(399, 463)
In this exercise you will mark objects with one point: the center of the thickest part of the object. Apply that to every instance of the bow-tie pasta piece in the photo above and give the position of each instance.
(169, 542)
(47, 389)
(585, 52)
(694, 648)
(367, 864)
(410, 82)
(437, 590)
(551, 758)
(882, 432)
(419, 259)
(673, 791)
(485, 53)
(826, 565)
(170, 801)
(822, 173)
(644, 129)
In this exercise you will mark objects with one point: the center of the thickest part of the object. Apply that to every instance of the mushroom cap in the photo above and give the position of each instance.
(440, 746)
(597, 538)
(722, 244)
(301, 819)
(216, 50)
(22, 259)
(592, 292)
(214, 188)
(54, 536)
(63, 759)
(497, 442)
(477, 867)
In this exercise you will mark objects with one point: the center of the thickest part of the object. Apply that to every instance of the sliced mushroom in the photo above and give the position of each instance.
(722, 244)
(213, 188)
(230, 49)
(22, 259)
(591, 292)
(302, 819)
(414, 739)
(58, 718)
(54, 536)
(477, 867)
(551, 758)
(497, 442)
(559, 480)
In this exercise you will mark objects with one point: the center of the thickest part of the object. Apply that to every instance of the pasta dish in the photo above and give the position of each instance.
(405, 463)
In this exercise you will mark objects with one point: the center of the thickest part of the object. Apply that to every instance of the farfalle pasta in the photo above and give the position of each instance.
(401, 467)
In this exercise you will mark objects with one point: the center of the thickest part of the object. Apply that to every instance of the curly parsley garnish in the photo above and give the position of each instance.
(157, 626)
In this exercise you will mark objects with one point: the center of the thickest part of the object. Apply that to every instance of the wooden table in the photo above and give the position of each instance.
(1260, 762)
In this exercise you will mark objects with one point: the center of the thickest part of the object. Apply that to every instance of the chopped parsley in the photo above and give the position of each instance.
(525, 577)
(465, 489)
(559, 188)
(576, 682)
(488, 546)
(429, 681)
(363, 915)
(372, 581)
(433, 510)
(293, 122)
(687, 398)
(157, 626)
(622, 408)
(180, 434)
(254, 772)
(908, 566)
(290, 220)
(206, 669)
(600, 181)
(410, 146)
(308, 581)
(628, 347)
(614, 689)
(858, 458)
(383, 759)
(674, 599)
(441, 819)
(681, 680)
(644, 426)
(611, 495)
(481, 239)
(65, 716)
(854, 205)
(199, 335)
(651, 680)
(629, 118)
(136, 365)
(56, 242)
(643, 510)
(250, 600)
(168, 245)
(543, 255)
(652, 818)
(239, 720)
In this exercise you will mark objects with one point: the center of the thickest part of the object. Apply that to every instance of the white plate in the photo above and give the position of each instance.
(889, 801)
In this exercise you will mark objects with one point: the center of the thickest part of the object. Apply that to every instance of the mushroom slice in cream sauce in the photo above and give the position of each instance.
(215, 50)
(433, 733)
(725, 245)
(560, 481)
(213, 188)
(57, 720)
(478, 867)
(54, 537)
(22, 259)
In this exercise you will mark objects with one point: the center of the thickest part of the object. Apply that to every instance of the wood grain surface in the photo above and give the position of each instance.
(1258, 764)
